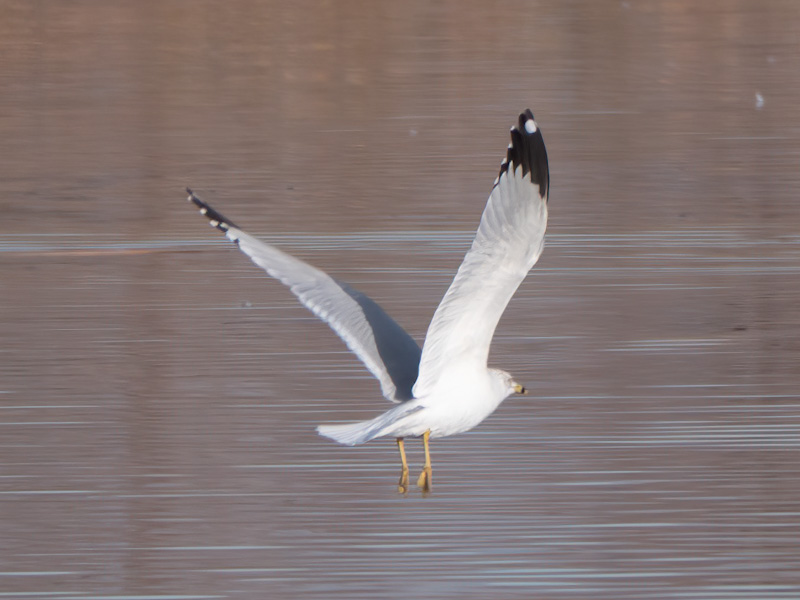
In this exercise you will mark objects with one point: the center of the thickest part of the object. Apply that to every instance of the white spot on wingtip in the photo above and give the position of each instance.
(213, 223)
(203, 211)
(530, 126)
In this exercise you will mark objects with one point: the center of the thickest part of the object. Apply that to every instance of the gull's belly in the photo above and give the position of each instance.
(447, 415)
(456, 417)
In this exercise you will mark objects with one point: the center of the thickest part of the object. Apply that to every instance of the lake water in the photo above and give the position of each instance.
(159, 394)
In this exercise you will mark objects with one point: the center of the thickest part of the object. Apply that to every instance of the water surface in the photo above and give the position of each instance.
(158, 395)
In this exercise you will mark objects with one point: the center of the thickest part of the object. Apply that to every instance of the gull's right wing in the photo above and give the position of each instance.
(384, 347)
(508, 243)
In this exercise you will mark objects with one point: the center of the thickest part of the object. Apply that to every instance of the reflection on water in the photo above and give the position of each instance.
(158, 395)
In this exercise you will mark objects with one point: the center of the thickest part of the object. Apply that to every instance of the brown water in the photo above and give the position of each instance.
(158, 395)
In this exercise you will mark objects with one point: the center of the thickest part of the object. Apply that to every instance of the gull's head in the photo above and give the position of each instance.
(506, 384)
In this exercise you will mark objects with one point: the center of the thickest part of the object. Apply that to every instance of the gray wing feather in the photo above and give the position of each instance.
(384, 347)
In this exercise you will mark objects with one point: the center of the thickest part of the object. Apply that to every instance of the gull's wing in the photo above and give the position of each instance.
(508, 243)
(390, 354)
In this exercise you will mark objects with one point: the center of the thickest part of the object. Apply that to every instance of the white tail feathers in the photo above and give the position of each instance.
(351, 434)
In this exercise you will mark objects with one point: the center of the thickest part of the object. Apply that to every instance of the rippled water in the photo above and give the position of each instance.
(158, 394)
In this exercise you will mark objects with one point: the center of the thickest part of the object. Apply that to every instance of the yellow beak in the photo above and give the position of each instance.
(519, 389)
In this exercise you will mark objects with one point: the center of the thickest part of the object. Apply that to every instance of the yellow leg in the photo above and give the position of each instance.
(425, 480)
(402, 486)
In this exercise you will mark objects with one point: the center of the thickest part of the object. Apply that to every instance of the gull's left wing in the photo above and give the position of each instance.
(508, 243)
(386, 349)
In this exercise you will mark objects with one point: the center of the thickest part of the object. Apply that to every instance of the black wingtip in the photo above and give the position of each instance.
(527, 150)
(216, 219)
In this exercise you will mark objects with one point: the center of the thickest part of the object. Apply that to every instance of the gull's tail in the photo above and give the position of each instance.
(351, 434)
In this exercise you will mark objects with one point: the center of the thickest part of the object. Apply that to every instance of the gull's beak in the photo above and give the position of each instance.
(518, 389)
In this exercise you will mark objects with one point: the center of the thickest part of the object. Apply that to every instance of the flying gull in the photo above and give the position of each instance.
(446, 387)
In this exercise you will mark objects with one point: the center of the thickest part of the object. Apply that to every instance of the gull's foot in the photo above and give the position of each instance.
(425, 481)
(402, 485)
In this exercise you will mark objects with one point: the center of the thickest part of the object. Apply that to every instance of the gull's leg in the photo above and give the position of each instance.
(425, 480)
(402, 486)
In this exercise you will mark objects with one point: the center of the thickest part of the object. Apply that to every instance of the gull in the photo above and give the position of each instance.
(446, 387)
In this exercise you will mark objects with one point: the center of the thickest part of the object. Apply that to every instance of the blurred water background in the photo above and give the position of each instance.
(158, 394)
